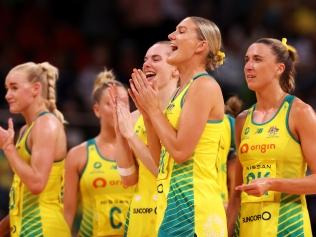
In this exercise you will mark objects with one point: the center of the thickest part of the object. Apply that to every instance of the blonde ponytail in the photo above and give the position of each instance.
(209, 31)
(49, 77)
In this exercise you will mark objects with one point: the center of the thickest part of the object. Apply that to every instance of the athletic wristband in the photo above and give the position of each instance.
(126, 171)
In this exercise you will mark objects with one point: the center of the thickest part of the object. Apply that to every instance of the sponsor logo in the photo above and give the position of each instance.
(102, 183)
(145, 210)
(115, 202)
(265, 216)
(260, 166)
(247, 130)
(170, 106)
(115, 182)
(273, 131)
(257, 147)
(97, 165)
(160, 188)
(99, 183)
(244, 148)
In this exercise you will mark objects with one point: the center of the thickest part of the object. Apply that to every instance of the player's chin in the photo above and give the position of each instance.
(14, 110)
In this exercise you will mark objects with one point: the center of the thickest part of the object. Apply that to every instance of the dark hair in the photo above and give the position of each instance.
(233, 106)
(287, 55)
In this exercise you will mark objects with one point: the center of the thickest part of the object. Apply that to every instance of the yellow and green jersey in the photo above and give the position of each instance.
(227, 148)
(189, 196)
(269, 150)
(42, 214)
(142, 214)
(104, 200)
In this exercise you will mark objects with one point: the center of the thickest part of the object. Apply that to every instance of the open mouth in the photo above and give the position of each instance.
(150, 75)
(173, 47)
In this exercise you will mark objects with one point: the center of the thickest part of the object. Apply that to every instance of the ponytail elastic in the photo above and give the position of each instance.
(221, 56)
(289, 47)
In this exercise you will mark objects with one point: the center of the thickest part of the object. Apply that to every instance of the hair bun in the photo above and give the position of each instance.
(104, 77)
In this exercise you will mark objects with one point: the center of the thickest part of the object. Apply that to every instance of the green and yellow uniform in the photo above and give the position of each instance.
(104, 200)
(227, 148)
(42, 214)
(189, 200)
(270, 150)
(142, 214)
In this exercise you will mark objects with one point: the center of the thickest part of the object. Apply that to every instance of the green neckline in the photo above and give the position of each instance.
(274, 116)
(178, 92)
(200, 74)
(42, 113)
(93, 141)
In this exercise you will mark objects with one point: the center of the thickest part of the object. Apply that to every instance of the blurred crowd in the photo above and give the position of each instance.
(82, 37)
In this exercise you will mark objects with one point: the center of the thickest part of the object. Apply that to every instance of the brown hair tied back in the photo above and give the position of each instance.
(287, 55)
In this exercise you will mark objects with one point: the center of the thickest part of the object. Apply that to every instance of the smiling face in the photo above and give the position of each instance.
(155, 64)
(261, 68)
(20, 92)
(184, 42)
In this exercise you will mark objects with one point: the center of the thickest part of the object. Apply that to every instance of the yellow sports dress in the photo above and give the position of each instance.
(189, 200)
(42, 214)
(142, 214)
(269, 150)
(227, 148)
(104, 200)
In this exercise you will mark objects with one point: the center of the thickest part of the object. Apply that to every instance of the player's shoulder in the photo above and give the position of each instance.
(78, 150)
(300, 108)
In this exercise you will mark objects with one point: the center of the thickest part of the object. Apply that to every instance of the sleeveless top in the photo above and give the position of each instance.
(142, 214)
(269, 150)
(227, 148)
(41, 214)
(189, 200)
(104, 200)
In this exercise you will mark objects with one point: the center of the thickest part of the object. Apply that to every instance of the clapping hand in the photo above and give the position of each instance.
(144, 93)
(123, 123)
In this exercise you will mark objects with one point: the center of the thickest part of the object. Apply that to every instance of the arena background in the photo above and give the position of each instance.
(81, 37)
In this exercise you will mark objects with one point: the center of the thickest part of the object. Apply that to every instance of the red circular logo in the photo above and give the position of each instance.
(244, 148)
(99, 183)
